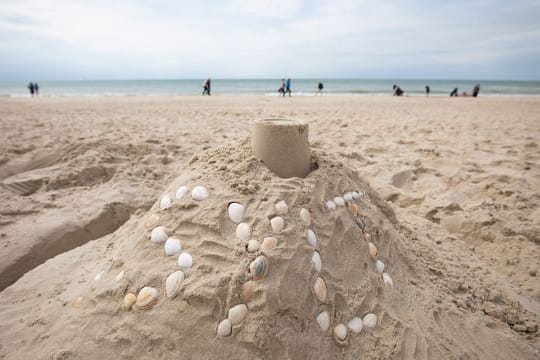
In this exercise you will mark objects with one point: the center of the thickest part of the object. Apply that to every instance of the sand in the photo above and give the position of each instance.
(451, 202)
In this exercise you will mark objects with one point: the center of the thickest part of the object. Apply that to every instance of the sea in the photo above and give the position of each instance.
(267, 87)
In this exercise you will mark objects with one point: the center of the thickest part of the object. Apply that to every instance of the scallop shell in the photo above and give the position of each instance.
(258, 268)
(316, 261)
(369, 321)
(199, 193)
(277, 223)
(224, 328)
(165, 202)
(152, 221)
(305, 217)
(320, 289)
(354, 208)
(372, 250)
(324, 320)
(236, 212)
(269, 243)
(331, 205)
(173, 283)
(253, 246)
(237, 313)
(339, 201)
(172, 246)
(348, 196)
(248, 289)
(387, 279)
(379, 266)
(158, 235)
(243, 231)
(281, 207)
(355, 324)
(311, 238)
(340, 332)
(185, 260)
(181, 192)
(367, 237)
(129, 300)
(147, 298)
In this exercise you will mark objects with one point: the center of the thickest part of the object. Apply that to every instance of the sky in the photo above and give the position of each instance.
(173, 39)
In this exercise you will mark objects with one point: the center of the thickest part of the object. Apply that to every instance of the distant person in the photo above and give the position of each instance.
(320, 88)
(397, 90)
(454, 92)
(36, 89)
(281, 90)
(476, 90)
(31, 88)
(206, 87)
(427, 90)
(288, 87)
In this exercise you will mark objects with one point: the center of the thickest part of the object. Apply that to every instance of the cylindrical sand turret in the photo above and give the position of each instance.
(283, 146)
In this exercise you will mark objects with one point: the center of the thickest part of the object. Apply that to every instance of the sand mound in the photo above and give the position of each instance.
(71, 306)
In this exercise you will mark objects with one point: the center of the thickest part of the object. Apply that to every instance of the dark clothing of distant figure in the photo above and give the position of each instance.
(454, 92)
(281, 90)
(320, 88)
(206, 87)
(31, 88)
(397, 90)
(287, 87)
(427, 90)
(36, 89)
(476, 90)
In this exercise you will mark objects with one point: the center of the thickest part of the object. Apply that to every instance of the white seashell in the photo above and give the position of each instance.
(224, 328)
(99, 275)
(281, 207)
(348, 196)
(173, 283)
(339, 201)
(311, 238)
(320, 289)
(269, 243)
(253, 246)
(305, 217)
(181, 192)
(387, 279)
(158, 235)
(147, 298)
(356, 195)
(355, 324)
(372, 250)
(379, 266)
(324, 320)
(129, 300)
(236, 212)
(340, 332)
(172, 246)
(369, 321)
(243, 231)
(120, 275)
(185, 260)
(277, 224)
(165, 202)
(331, 205)
(237, 313)
(199, 193)
(316, 261)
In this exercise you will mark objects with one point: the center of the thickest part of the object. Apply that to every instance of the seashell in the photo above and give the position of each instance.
(356, 194)
(248, 289)
(277, 223)
(158, 235)
(258, 268)
(354, 208)
(269, 243)
(372, 250)
(185, 260)
(224, 328)
(236, 212)
(147, 298)
(369, 321)
(305, 216)
(324, 320)
(281, 207)
(355, 324)
(243, 231)
(316, 261)
(172, 246)
(253, 246)
(129, 300)
(165, 202)
(367, 237)
(360, 222)
(379, 266)
(387, 279)
(152, 221)
(347, 196)
(238, 313)
(331, 205)
(181, 192)
(78, 302)
(339, 201)
(320, 289)
(199, 193)
(340, 332)
(99, 275)
(311, 238)
(120, 275)
(173, 283)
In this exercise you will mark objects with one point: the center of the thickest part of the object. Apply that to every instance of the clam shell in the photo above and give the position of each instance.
(238, 313)
(147, 298)
(236, 212)
(379, 266)
(258, 268)
(78, 302)
(172, 246)
(253, 246)
(340, 332)
(152, 221)
(277, 223)
(356, 195)
(269, 243)
(339, 201)
(181, 192)
(319, 288)
(372, 250)
(367, 237)
(355, 324)
(330, 205)
(354, 208)
(369, 321)
(348, 196)
(243, 231)
(324, 320)
(224, 328)
(173, 283)
(387, 279)
(199, 193)
(316, 261)
(281, 207)
(129, 300)
(305, 217)
(185, 260)
(360, 222)
(165, 202)
(311, 238)
(158, 235)
(248, 290)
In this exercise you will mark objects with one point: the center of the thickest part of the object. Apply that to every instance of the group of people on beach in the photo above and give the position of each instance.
(476, 90)
(33, 88)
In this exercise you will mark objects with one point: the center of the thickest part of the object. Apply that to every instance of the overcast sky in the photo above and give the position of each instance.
(139, 39)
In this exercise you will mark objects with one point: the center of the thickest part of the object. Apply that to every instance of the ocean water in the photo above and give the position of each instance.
(268, 87)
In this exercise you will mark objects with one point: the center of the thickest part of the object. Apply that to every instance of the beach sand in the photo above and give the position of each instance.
(452, 189)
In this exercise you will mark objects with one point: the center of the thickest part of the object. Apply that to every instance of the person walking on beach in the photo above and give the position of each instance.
(320, 88)
(397, 90)
(476, 90)
(206, 87)
(36, 89)
(427, 90)
(454, 92)
(287, 87)
(281, 90)
(31, 88)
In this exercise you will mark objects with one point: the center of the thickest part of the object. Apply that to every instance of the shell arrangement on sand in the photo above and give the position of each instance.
(185, 260)
(224, 328)
(258, 268)
(146, 298)
(269, 243)
(236, 212)
(129, 301)
(324, 320)
(316, 261)
(243, 232)
(305, 217)
(277, 223)
(152, 221)
(253, 246)
(281, 207)
(237, 313)
(199, 193)
(172, 246)
(173, 283)
(340, 332)
(369, 321)
(165, 202)
(320, 290)
(355, 324)
(181, 192)
(158, 235)
(311, 238)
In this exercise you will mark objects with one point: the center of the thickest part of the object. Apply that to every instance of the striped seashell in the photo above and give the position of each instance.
(258, 268)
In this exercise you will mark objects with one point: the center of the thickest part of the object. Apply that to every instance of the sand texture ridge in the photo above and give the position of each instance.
(448, 196)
